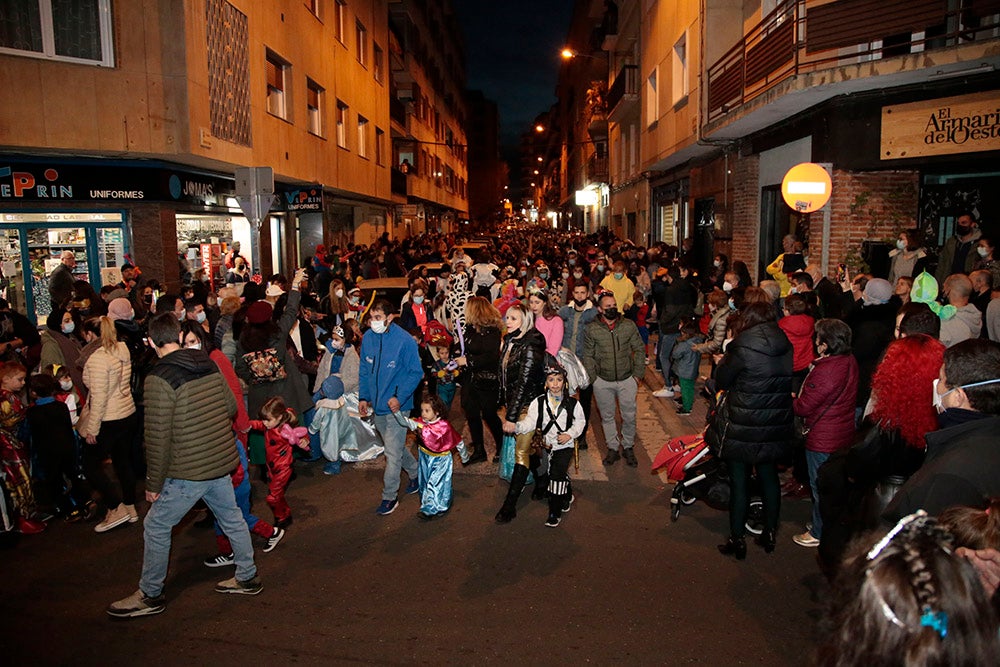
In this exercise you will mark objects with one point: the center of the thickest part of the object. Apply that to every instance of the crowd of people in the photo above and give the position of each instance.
(876, 399)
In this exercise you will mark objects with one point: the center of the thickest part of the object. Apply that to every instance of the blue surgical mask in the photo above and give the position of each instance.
(418, 300)
(619, 276)
(69, 327)
(732, 305)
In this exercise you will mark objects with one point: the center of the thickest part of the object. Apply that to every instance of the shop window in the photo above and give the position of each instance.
(361, 43)
(72, 30)
(314, 107)
(277, 81)
(341, 124)
(340, 19)
(378, 63)
(379, 147)
(362, 137)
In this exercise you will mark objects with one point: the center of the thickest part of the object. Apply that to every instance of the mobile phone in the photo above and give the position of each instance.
(841, 272)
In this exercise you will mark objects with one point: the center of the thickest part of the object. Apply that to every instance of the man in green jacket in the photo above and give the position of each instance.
(615, 359)
(190, 452)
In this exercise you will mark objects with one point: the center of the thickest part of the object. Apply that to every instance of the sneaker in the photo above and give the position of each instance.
(666, 392)
(133, 515)
(630, 459)
(553, 520)
(412, 487)
(611, 457)
(112, 519)
(137, 604)
(569, 504)
(806, 540)
(284, 523)
(387, 507)
(683, 413)
(274, 539)
(249, 587)
(220, 560)
(331, 468)
(29, 526)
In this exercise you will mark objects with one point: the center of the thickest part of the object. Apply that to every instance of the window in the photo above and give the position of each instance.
(341, 124)
(378, 63)
(78, 31)
(652, 103)
(380, 147)
(314, 107)
(313, 6)
(362, 137)
(679, 80)
(340, 19)
(277, 78)
(361, 43)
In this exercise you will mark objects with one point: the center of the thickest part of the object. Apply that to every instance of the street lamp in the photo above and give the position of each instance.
(539, 128)
(569, 54)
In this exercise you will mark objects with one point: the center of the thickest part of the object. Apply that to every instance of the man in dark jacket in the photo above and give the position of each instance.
(615, 359)
(61, 280)
(963, 457)
(675, 298)
(190, 455)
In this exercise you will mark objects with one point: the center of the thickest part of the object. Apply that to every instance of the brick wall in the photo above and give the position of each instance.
(867, 206)
(744, 210)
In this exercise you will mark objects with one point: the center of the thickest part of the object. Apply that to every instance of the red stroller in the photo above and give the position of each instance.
(698, 475)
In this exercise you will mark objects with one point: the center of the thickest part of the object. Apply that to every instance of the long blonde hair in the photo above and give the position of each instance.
(109, 335)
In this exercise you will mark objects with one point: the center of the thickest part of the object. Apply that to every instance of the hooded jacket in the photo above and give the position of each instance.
(966, 323)
(799, 329)
(188, 420)
(390, 367)
(576, 321)
(756, 374)
(826, 402)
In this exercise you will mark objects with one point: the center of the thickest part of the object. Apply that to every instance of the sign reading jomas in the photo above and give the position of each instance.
(945, 126)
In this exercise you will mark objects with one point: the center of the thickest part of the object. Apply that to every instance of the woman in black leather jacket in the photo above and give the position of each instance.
(481, 375)
(522, 377)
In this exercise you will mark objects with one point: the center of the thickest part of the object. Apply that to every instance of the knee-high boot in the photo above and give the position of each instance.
(541, 490)
(509, 509)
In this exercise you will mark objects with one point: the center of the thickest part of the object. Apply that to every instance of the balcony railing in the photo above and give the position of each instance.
(625, 86)
(597, 169)
(397, 182)
(801, 36)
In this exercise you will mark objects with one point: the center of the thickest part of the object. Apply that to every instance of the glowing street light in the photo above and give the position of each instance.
(539, 128)
(536, 172)
(539, 158)
(567, 53)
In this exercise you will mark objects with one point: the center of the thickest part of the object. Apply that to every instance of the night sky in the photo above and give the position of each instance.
(512, 54)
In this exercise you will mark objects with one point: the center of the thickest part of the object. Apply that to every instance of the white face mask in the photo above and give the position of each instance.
(182, 315)
(793, 290)
(727, 286)
(716, 263)
(66, 384)
(565, 275)
(200, 317)
(901, 244)
(194, 346)
(379, 326)
(983, 252)
(339, 294)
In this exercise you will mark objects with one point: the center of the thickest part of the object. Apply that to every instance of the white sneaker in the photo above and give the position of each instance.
(133, 515)
(663, 393)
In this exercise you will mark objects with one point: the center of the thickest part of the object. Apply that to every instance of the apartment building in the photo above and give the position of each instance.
(430, 187)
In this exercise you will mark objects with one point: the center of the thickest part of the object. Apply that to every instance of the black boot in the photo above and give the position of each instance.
(734, 546)
(478, 455)
(767, 539)
(509, 509)
(541, 490)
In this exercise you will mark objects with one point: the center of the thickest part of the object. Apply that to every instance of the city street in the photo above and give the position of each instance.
(615, 583)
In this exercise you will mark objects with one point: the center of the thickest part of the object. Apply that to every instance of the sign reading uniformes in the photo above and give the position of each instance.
(945, 126)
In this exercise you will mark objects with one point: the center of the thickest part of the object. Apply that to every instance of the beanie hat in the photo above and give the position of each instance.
(877, 291)
(120, 309)
(259, 312)
(332, 387)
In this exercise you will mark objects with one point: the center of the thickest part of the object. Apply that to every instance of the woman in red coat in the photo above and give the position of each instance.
(826, 404)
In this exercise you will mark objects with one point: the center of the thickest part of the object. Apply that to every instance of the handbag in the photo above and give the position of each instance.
(265, 366)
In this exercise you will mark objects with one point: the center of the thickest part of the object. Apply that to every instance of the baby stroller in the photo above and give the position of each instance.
(698, 475)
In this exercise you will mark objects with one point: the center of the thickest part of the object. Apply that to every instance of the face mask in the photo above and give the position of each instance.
(337, 344)
(379, 326)
(938, 399)
(619, 276)
(418, 300)
(339, 294)
(195, 346)
(901, 244)
(794, 290)
(716, 263)
(354, 299)
(611, 314)
(963, 230)
(68, 327)
(200, 317)
(578, 275)
(600, 267)
(182, 315)
(565, 275)
(543, 275)
(727, 286)
(524, 273)
(66, 385)
(579, 302)
(983, 252)
(732, 305)
(572, 262)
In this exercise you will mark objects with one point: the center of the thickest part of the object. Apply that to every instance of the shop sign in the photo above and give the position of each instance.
(34, 182)
(963, 124)
(409, 210)
(304, 199)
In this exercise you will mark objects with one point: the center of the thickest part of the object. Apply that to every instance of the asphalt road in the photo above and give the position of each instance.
(616, 583)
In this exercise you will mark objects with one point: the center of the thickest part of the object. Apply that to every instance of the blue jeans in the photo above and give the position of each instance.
(667, 342)
(177, 497)
(397, 456)
(813, 461)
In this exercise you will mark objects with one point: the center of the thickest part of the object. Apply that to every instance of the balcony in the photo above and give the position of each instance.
(397, 110)
(805, 37)
(623, 96)
(597, 169)
(398, 182)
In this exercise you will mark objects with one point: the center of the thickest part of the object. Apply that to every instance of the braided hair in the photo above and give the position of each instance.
(908, 600)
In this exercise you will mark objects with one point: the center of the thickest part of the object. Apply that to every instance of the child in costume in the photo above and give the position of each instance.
(686, 361)
(54, 443)
(446, 371)
(332, 423)
(435, 464)
(558, 418)
(280, 438)
(13, 453)
(66, 392)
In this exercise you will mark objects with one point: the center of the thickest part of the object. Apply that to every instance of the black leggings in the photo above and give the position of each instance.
(480, 403)
(739, 495)
(114, 440)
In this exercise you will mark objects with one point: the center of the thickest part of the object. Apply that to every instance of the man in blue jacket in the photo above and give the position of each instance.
(389, 375)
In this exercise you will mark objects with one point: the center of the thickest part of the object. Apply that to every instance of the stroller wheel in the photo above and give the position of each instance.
(755, 517)
(675, 511)
(687, 498)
